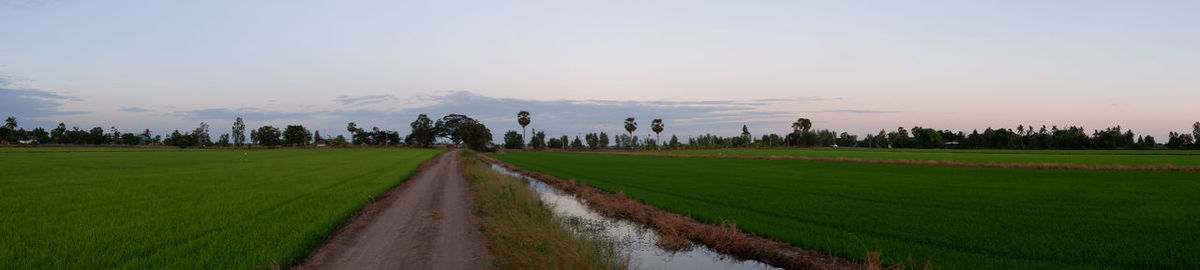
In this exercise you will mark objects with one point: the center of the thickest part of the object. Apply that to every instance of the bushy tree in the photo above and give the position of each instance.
(267, 136)
(296, 135)
(513, 140)
(475, 135)
(422, 131)
(538, 141)
(927, 138)
(202, 136)
(577, 144)
(448, 126)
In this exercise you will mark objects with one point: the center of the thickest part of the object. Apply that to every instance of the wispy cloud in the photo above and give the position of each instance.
(32, 103)
(248, 113)
(363, 100)
(854, 111)
(133, 110)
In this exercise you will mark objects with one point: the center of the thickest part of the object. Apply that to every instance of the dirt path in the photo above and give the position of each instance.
(425, 223)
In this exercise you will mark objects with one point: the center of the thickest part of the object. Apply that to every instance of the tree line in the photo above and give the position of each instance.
(457, 129)
(803, 135)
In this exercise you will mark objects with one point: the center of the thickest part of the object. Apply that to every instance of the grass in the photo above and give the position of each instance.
(1079, 157)
(522, 233)
(88, 149)
(952, 217)
(207, 209)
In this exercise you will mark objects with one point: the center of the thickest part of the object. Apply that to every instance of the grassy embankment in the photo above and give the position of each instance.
(954, 217)
(522, 233)
(1078, 157)
(210, 209)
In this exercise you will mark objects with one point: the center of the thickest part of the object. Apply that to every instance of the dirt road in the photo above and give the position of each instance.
(425, 223)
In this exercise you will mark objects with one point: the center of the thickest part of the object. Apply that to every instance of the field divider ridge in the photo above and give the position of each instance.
(677, 231)
(944, 163)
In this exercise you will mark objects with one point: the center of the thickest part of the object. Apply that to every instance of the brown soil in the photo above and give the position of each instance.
(1036, 166)
(679, 231)
(425, 223)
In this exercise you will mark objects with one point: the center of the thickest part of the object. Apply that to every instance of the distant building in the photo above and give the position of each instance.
(321, 143)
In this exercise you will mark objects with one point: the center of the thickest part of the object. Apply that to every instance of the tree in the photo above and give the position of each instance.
(239, 132)
(475, 135)
(1196, 131)
(448, 126)
(603, 140)
(802, 125)
(59, 134)
(928, 138)
(96, 136)
(513, 140)
(800, 131)
(296, 135)
(523, 119)
(266, 135)
(657, 126)
(224, 140)
(630, 126)
(422, 131)
(201, 134)
(674, 142)
(10, 129)
(181, 140)
(538, 141)
(353, 129)
(340, 141)
(745, 135)
(577, 144)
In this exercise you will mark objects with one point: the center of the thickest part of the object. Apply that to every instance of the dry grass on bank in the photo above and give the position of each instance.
(522, 233)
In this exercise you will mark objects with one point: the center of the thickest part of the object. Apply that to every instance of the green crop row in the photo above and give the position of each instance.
(1080, 157)
(213, 209)
(950, 217)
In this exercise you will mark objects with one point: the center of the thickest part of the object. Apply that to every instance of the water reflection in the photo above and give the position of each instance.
(630, 238)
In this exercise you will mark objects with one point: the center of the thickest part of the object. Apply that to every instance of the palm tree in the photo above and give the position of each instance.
(800, 127)
(10, 123)
(657, 127)
(630, 126)
(352, 128)
(523, 119)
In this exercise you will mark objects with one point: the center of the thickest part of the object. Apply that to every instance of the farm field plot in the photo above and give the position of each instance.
(952, 217)
(204, 209)
(1081, 157)
(86, 149)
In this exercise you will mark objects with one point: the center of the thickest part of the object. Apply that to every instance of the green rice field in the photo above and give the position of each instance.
(949, 217)
(1080, 157)
(117, 208)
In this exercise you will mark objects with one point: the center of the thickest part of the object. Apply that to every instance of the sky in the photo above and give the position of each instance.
(583, 66)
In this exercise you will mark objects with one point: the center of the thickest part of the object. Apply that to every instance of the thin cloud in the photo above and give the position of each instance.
(32, 103)
(363, 100)
(854, 111)
(133, 110)
(211, 114)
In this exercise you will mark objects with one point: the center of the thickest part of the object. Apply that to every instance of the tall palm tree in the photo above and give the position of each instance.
(657, 127)
(523, 119)
(630, 126)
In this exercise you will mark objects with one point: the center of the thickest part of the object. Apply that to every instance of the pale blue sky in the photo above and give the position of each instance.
(856, 66)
